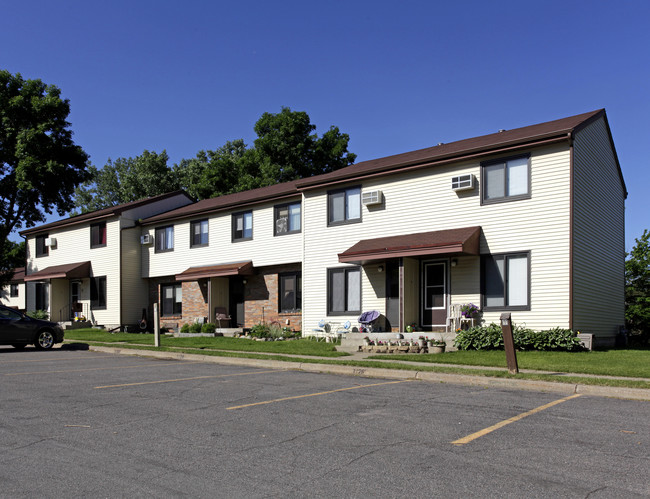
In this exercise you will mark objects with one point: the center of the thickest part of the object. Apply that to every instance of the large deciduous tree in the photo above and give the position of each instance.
(637, 287)
(40, 165)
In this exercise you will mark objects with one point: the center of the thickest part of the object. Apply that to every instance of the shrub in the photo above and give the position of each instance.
(479, 338)
(208, 328)
(195, 328)
(491, 338)
(185, 328)
(260, 331)
(39, 314)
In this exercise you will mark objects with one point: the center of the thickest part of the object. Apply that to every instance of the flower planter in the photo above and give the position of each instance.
(437, 349)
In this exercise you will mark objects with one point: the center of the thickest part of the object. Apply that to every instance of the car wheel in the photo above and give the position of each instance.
(19, 346)
(44, 340)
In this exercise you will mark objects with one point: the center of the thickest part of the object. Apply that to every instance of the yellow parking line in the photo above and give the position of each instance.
(478, 434)
(315, 394)
(93, 369)
(186, 379)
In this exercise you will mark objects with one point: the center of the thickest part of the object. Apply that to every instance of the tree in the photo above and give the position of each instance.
(125, 180)
(40, 165)
(637, 287)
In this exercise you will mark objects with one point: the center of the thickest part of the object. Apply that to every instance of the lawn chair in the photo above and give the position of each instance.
(366, 320)
(220, 314)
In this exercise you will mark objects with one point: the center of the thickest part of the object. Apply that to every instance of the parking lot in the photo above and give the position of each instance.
(82, 423)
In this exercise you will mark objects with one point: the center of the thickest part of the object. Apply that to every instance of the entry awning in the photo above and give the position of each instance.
(463, 241)
(66, 271)
(222, 270)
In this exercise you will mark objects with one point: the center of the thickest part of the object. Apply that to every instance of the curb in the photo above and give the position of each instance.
(377, 372)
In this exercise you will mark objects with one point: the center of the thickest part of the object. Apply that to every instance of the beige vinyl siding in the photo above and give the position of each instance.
(424, 201)
(134, 295)
(599, 234)
(263, 250)
(17, 301)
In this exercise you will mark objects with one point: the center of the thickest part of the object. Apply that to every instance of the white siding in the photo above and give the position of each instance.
(17, 301)
(134, 293)
(424, 201)
(599, 234)
(264, 249)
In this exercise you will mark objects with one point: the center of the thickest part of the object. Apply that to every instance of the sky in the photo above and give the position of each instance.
(395, 76)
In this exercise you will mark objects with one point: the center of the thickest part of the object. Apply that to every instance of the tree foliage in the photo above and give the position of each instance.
(637, 286)
(40, 165)
(125, 180)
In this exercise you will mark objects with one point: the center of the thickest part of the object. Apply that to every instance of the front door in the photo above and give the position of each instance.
(434, 294)
(75, 298)
(237, 300)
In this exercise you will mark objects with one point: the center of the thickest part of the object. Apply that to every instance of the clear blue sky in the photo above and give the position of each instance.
(395, 76)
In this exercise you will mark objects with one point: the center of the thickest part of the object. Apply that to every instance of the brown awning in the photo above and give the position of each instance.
(223, 270)
(463, 241)
(67, 271)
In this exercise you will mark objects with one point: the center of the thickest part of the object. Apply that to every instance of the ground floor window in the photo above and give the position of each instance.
(98, 292)
(290, 292)
(13, 290)
(344, 291)
(506, 281)
(172, 299)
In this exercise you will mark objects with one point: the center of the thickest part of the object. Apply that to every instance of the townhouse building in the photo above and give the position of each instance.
(13, 294)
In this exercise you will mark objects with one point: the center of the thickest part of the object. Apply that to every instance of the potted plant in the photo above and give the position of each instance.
(437, 346)
(468, 310)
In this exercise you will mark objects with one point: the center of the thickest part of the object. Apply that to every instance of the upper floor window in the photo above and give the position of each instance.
(344, 291)
(98, 292)
(506, 281)
(41, 248)
(98, 235)
(242, 226)
(290, 292)
(287, 218)
(13, 290)
(344, 206)
(505, 179)
(165, 239)
(198, 233)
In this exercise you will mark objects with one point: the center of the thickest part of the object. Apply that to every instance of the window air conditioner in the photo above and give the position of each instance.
(146, 239)
(463, 182)
(50, 242)
(369, 198)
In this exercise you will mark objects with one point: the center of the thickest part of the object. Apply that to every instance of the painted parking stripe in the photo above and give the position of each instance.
(187, 379)
(316, 394)
(100, 368)
(478, 434)
(55, 359)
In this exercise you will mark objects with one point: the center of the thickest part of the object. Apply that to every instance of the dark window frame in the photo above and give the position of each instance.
(276, 217)
(41, 249)
(330, 272)
(193, 224)
(345, 221)
(297, 286)
(13, 290)
(95, 234)
(505, 256)
(163, 308)
(163, 230)
(505, 198)
(234, 226)
(98, 296)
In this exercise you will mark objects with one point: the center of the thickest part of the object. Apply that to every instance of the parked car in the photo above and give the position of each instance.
(18, 330)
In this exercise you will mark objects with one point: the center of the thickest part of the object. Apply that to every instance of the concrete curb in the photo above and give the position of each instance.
(377, 372)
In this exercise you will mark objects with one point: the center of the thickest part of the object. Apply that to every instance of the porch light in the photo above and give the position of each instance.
(454, 262)
(380, 268)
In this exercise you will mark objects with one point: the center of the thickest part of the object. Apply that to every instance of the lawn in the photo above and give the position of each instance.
(628, 362)
(294, 347)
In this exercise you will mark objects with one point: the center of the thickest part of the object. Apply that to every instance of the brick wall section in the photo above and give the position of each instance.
(262, 298)
(195, 301)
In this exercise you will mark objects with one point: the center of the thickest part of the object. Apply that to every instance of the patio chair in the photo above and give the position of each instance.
(366, 320)
(220, 314)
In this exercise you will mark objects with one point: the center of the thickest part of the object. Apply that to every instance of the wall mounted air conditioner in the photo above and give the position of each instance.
(146, 239)
(369, 198)
(50, 242)
(463, 182)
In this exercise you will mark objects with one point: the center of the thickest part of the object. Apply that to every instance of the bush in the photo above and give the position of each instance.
(39, 314)
(208, 328)
(185, 328)
(491, 338)
(260, 331)
(195, 328)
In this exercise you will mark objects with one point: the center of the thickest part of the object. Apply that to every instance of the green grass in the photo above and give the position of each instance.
(294, 347)
(630, 363)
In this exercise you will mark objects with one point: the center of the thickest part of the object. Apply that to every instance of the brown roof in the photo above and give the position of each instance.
(463, 241)
(229, 201)
(101, 214)
(551, 131)
(19, 274)
(222, 270)
(66, 271)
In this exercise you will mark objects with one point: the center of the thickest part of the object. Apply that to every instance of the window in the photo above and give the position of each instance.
(198, 233)
(171, 296)
(242, 226)
(506, 280)
(290, 293)
(164, 239)
(344, 206)
(10, 315)
(344, 291)
(41, 249)
(40, 296)
(287, 218)
(98, 292)
(98, 235)
(13, 290)
(505, 179)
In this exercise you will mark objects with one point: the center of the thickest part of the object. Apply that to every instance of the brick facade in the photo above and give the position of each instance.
(195, 301)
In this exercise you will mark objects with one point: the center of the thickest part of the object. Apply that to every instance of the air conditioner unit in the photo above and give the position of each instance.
(50, 242)
(369, 198)
(146, 239)
(463, 182)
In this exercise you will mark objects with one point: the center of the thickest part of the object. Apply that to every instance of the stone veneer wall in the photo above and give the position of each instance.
(195, 301)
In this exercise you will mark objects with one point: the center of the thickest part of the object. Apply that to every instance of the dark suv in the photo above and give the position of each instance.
(19, 330)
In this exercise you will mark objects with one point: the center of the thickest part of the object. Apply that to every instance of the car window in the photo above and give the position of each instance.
(9, 314)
